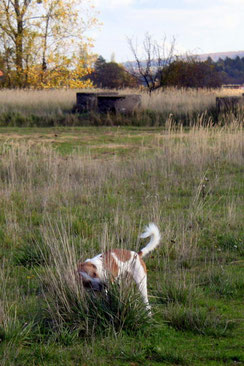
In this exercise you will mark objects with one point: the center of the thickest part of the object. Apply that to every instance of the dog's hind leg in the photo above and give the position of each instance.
(140, 278)
(143, 289)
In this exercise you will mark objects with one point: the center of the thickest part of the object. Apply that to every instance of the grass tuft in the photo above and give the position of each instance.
(222, 283)
(231, 243)
(197, 320)
(175, 290)
(70, 306)
(29, 255)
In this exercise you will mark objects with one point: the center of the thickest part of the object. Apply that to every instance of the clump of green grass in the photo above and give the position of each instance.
(29, 255)
(223, 283)
(69, 305)
(90, 313)
(14, 331)
(197, 320)
(119, 309)
(229, 242)
(175, 290)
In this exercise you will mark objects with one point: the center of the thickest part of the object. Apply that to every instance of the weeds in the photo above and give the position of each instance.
(69, 306)
(164, 108)
(59, 206)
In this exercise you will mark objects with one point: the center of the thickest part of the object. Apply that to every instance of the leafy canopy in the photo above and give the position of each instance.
(43, 42)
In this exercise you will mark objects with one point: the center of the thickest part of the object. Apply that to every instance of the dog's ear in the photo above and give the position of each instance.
(79, 267)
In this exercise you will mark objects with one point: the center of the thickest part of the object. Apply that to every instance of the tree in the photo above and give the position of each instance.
(148, 67)
(232, 70)
(1, 71)
(99, 64)
(111, 75)
(191, 73)
(41, 36)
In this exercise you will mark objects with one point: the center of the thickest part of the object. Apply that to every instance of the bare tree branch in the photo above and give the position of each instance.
(149, 67)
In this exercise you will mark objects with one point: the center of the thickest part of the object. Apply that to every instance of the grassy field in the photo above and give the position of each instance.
(68, 193)
(43, 108)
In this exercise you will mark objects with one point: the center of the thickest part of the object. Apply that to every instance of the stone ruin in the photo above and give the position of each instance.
(107, 102)
(229, 104)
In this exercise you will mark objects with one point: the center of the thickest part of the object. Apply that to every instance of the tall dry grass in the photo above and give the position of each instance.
(170, 100)
(183, 101)
(46, 181)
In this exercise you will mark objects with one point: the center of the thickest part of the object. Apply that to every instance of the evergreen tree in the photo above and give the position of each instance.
(111, 75)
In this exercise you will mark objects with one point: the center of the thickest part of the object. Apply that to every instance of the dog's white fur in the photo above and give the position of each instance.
(118, 262)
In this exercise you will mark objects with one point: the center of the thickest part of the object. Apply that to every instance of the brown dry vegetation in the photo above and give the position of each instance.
(55, 101)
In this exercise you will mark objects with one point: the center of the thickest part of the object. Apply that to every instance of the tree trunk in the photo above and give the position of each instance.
(19, 44)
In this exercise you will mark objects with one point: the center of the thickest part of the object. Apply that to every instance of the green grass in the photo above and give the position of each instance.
(66, 193)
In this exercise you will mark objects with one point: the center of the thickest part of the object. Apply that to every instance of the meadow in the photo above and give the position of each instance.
(50, 108)
(67, 193)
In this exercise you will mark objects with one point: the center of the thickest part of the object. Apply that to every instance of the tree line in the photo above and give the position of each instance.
(156, 66)
(231, 70)
(43, 45)
(181, 72)
(199, 74)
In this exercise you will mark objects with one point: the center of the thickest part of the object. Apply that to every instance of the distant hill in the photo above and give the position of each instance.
(215, 56)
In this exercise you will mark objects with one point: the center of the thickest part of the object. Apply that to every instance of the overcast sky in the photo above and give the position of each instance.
(199, 26)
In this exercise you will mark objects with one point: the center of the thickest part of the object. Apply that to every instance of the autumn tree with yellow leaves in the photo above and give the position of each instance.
(43, 43)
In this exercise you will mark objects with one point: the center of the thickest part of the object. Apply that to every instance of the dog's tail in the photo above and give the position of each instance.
(153, 232)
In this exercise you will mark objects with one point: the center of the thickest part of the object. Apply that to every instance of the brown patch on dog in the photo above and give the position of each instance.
(88, 268)
(143, 264)
(110, 264)
(122, 254)
(140, 253)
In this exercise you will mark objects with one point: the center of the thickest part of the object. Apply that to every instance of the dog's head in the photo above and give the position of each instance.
(89, 276)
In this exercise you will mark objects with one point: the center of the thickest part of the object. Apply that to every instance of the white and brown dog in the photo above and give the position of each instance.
(117, 263)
